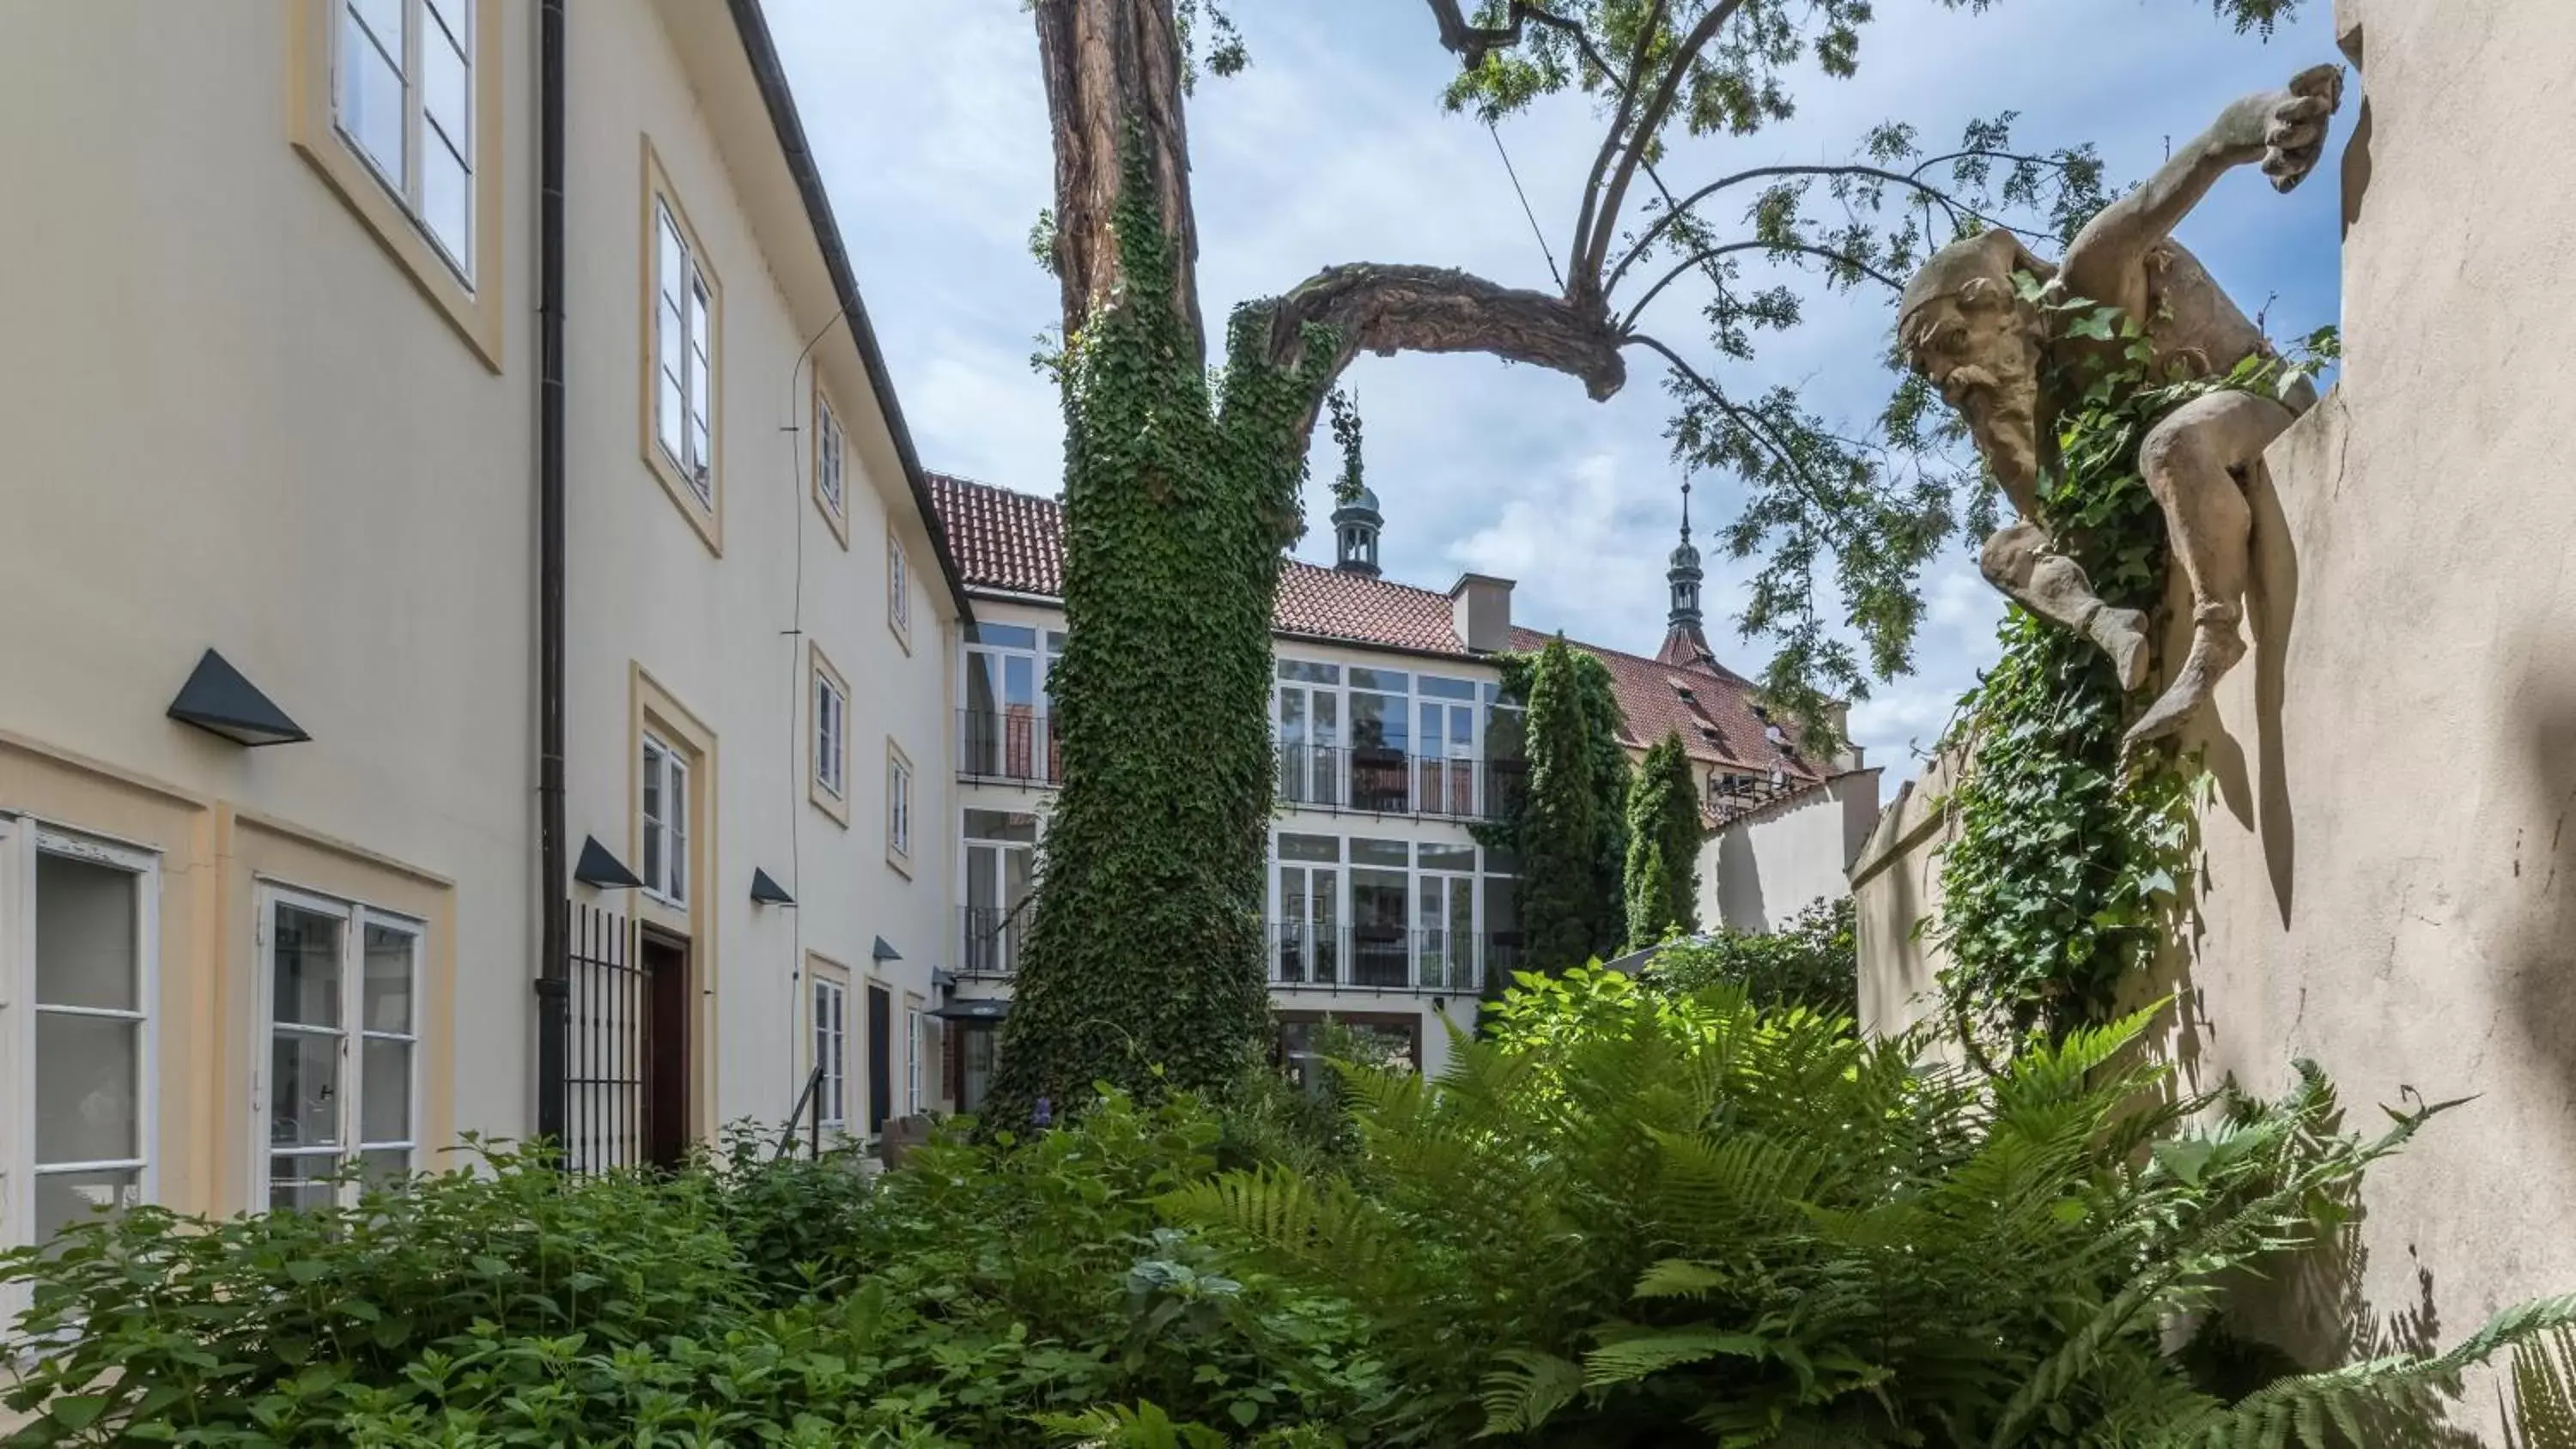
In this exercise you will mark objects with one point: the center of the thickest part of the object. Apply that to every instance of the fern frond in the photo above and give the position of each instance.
(1679, 1278)
(2544, 1391)
(1519, 1399)
(1632, 1357)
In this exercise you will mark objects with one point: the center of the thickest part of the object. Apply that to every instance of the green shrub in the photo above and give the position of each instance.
(1639, 1219)
(1812, 961)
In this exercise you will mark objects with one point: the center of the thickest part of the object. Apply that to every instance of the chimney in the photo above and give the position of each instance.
(1848, 756)
(1480, 610)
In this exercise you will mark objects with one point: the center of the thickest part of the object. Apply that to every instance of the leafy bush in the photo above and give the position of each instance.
(1813, 962)
(1637, 1219)
(740, 1302)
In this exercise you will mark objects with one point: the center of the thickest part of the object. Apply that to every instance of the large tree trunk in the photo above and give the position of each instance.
(1113, 76)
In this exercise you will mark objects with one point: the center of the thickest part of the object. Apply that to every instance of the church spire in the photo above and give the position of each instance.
(1683, 641)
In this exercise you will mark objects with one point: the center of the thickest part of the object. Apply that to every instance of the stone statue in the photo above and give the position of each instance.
(1967, 328)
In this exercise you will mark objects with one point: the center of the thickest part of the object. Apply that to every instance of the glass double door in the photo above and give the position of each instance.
(1310, 739)
(1308, 950)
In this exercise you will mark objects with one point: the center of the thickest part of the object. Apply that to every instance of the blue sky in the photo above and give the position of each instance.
(930, 124)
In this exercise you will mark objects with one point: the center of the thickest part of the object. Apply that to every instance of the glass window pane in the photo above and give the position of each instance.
(1001, 825)
(87, 934)
(1380, 852)
(384, 1091)
(301, 1183)
(387, 982)
(700, 456)
(86, 1108)
(67, 1197)
(457, 16)
(304, 1089)
(652, 855)
(668, 276)
(446, 199)
(371, 91)
(385, 18)
(669, 424)
(1008, 636)
(305, 959)
(1447, 857)
(1311, 673)
(1393, 681)
(1309, 847)
(384, 1167)
(1432, 684)
(446, 88)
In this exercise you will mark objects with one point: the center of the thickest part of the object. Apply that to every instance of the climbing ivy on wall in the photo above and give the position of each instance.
(1664, 833)
(2069, 859)
(1144, 962)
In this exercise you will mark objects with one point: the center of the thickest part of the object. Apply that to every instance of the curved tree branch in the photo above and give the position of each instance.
(1584, 280)
(1710, 254)
(1386, 308)
(1650, 123)
(1671, 213)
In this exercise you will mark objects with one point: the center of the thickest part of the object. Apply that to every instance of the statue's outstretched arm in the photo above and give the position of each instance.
(2285, 130)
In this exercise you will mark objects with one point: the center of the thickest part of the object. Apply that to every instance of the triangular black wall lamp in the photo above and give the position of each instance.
(767, 892)
(599, 868)
(217, 699)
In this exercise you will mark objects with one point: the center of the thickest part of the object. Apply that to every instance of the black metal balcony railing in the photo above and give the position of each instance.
(1009, 744)
(1377, 781)
(989, 940)
(1383, 958)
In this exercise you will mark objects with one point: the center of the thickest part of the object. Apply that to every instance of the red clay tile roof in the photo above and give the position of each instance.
(1014, 542)
(1718, 720)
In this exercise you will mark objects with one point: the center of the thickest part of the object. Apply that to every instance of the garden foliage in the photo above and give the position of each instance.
(1812, 961)
(1664, 831)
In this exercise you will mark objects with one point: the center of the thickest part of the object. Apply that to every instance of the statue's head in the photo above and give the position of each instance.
(1965, 328)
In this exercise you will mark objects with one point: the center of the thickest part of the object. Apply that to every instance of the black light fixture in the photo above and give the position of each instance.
(599, 868)
(982, 1009)
(767, 892)
(884, 952)
(218, 700)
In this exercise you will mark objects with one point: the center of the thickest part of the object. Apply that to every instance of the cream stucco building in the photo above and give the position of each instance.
(282, 472)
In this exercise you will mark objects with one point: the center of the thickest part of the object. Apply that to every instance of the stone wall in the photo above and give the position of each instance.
(2389, 883)
(1762, 868)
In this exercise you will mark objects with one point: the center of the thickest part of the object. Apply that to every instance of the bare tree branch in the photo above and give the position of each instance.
(1650, 123)
(1710, 254)
(1386, 308)
(1583, 279)
(1874, 173)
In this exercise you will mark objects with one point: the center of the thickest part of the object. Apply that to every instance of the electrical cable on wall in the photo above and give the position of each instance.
(796, 463)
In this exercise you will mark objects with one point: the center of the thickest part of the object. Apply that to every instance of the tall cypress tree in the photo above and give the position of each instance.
(1663, 846)
(1569, 904)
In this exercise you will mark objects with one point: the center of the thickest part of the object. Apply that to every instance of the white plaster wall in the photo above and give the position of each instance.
(1763, 869)
(720, 633)
(233, 421)
(2387, 878)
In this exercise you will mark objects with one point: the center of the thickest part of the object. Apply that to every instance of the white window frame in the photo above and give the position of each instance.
(898, 587)
(668, 880)
(831, 1048)
(352, 1035)
(22, 841)
(693, 298)
(898, 801)
(831, 736)
(912, 1022)
(831, 447)
(418, 19)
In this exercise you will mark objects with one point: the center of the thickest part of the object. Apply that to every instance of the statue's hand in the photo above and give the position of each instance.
(2294, 125)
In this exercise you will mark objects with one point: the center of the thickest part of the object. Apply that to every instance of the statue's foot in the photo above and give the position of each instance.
(2215, 648)
(2122, 633)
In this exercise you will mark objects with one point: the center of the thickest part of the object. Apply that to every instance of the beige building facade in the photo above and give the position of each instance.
(290, 415)
(2386, 869)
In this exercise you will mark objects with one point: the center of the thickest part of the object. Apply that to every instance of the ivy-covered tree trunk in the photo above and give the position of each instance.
(1663, 846)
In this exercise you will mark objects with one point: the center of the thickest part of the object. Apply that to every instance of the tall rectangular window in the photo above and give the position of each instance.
(665, 812)
(683, 356)
(92, 1065)
(829, 444)
(1001, 871)
(832, 1053)
(898, 802)
(898, 588)
(343, 1046)
(913, 1035)
(403, 98)
(831, 727)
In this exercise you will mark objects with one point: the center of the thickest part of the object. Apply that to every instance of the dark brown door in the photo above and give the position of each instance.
(880, 1058)
(666, 1052)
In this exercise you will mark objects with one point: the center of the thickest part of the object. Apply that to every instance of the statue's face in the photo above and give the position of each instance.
(1979, 345)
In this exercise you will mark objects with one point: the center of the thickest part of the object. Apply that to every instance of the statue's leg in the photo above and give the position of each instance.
(2020, 561)
(2190, 461)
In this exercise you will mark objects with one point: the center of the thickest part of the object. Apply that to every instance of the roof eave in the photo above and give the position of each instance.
(766, 68)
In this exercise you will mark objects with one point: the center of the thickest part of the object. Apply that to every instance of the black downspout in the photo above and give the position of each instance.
(554, 965)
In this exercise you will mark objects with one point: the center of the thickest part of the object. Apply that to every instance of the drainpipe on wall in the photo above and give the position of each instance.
(554, 961)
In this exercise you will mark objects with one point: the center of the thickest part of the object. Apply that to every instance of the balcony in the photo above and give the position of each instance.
(989, 939)
(1374, 781)
(1013, 746)
(1384, 958)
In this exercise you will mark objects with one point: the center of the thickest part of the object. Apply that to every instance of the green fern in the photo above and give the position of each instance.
(2544, 1391)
